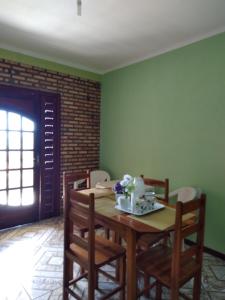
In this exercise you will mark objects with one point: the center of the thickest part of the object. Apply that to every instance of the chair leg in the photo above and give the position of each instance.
(96, 279)
(65, 294)
(107, 233)
(174, 292)
(158, 295)
(122, 276)
(82, 235)
(82, 270)
(117, 270)
(197, 286)
(117, 239)
(67, 276)
(146, 283)
(91, 290)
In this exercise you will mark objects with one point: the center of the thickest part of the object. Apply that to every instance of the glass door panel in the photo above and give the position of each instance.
(28, 178)
(2, 180)
(14, 121)
(14, 197)
(14, 179)
(3, 140)
(28, 140)
(3, 120)
(3, 197)
(16, 159)
(27, 124)
(3, 160)
(27, 196)
(28, 159)
(14, 140)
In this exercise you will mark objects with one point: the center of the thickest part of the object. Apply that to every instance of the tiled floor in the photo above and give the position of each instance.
(31, 265)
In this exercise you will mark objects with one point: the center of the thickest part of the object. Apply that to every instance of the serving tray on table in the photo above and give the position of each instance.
(157, 206)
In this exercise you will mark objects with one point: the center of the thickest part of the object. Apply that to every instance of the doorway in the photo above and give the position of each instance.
(29, 156)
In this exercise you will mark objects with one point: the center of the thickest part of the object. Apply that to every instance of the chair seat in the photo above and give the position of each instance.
(149, 239)
(157, 263)
(105, 251)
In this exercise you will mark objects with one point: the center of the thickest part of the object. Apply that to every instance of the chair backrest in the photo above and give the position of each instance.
(185, 194)
(68, 184)
(97, 176)
(68, 181)
(80, 209)
(77, 180)
(162, 184)
(183, 230)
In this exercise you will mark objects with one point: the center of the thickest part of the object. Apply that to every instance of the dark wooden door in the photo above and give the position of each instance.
(24, 186)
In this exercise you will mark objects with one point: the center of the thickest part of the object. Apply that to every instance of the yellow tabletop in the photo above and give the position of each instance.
(106, 184)
(161, 219)
(106, 207)
(98, 192)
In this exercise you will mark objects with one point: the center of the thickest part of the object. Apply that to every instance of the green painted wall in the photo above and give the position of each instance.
(18, 57)
(165, 117)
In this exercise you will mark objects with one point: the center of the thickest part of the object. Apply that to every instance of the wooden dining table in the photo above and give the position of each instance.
(130, 227)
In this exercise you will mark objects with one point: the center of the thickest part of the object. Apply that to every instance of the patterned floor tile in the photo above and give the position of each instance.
(31, 260)
(219, 272)
(43, 284)
(12, 291)
(216, 296)
(38, 294)
(56, 294)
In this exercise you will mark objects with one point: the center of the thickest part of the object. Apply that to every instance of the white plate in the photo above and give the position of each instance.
(157, 206)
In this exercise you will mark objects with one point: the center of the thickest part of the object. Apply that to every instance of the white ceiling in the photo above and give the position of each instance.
(110, 33)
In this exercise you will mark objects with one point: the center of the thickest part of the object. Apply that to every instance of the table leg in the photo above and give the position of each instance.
(131, 265)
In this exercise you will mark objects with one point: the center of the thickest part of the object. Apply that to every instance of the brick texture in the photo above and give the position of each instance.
(80, 110)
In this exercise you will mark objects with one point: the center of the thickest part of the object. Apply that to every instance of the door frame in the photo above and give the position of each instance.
(36, 211)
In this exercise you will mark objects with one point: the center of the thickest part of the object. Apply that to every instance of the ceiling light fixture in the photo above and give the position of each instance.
(79, 4)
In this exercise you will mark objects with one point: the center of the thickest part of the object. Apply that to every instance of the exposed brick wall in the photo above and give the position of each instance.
(80, 110)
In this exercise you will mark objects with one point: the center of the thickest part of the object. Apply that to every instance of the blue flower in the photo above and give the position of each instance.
(125, 186)
(118, 188)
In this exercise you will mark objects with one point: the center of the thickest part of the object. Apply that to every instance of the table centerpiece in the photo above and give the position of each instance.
(129, 191)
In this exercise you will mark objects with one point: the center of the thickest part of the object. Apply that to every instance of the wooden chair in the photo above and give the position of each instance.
(69, 178)
(147, 240)
(160, 184)
(79, 180)
(91, 253)
(173, 267)
(184, 194)
(96, 176)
